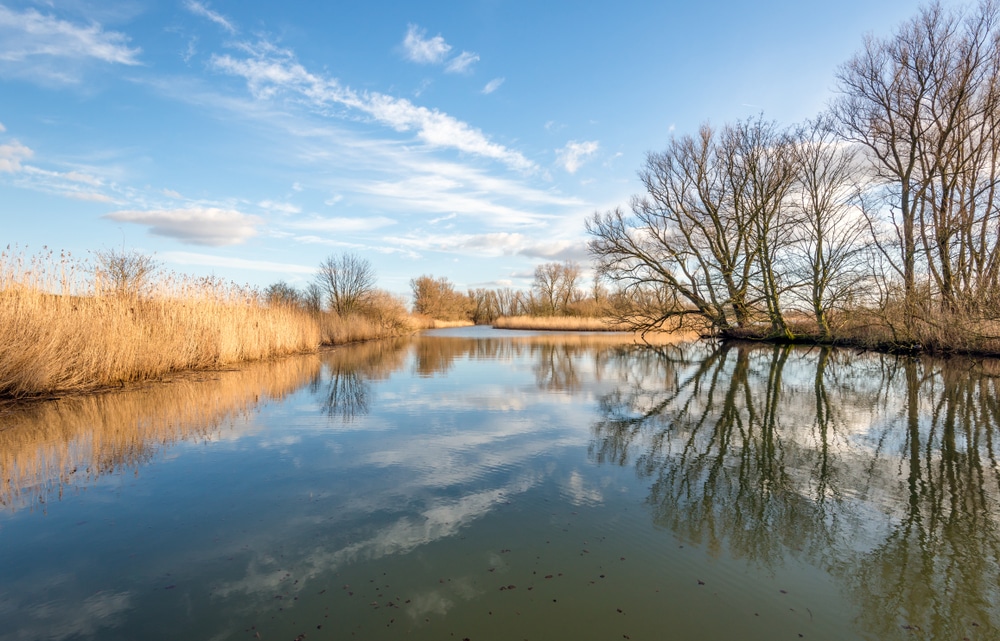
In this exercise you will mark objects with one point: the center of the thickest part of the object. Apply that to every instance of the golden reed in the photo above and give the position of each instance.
(62, 331)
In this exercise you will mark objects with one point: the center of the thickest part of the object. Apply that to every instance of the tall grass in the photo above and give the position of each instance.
(559, 323)
(62, 331)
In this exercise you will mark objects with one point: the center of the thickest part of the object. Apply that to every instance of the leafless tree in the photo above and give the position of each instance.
(556, 287)
(706, 238)
(281, 293)
(438, 298)
(924, 104)
(346, 281)
(831, 237)
(125, 273)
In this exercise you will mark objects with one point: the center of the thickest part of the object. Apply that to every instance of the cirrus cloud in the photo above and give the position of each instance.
(43, 47)
(210, 226)
(271, 71)
(574, 154)
(11, 156)
(493, 85)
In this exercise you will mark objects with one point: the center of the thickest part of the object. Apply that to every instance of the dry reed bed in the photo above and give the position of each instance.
(558, 323)
(62, 332)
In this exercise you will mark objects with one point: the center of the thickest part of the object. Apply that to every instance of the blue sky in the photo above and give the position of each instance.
(250, 140)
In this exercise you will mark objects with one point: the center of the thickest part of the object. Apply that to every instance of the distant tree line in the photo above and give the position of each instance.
(887, 201)
(557, 289)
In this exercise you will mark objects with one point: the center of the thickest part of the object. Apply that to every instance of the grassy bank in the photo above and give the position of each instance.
(893, 330)
(64, 332)
(559, 323)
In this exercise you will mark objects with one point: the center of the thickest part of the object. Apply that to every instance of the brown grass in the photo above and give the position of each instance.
(63, 333)
(558, 323)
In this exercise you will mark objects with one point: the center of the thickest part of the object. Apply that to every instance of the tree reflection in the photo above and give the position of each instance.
(882, 470)
(345, 384)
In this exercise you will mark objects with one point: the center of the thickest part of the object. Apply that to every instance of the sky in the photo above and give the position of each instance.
(251, 140)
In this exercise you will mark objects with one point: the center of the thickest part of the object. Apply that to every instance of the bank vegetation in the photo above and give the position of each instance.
(875, 224)
(73, 325)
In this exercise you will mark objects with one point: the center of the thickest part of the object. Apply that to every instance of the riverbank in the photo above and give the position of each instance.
(65, 331)
(929, 333)
(54, 344)
(559, 323)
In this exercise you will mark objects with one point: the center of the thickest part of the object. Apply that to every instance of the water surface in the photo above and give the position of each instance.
(501, 485)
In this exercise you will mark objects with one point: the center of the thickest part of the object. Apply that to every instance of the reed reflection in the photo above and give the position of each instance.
(48, 447)
(881, 470)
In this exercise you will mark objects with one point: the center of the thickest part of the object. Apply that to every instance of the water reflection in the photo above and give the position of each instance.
(346, 386)
(48, 447)
(881, 470)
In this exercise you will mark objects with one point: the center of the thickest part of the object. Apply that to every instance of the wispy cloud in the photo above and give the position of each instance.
(417, 47)
(281, 208)
(462, 62)
(11, 156)
(271, 72)
(420, 49)
(89, 196)
(574, 154)
(201, 9)
(44, 47)
(342, 225)
(210, 226)
(493, 85)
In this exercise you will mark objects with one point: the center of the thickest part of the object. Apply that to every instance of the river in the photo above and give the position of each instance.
(485, 484)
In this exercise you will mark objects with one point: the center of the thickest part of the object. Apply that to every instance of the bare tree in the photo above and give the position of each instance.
(706, 238)
(438, 298)
(831, 237)
(281, 293)
(556, 287)
(924, 103)
(347, 281)
(125, 273)
(312, 298)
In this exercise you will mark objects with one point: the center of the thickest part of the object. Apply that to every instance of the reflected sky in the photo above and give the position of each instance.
(505, 485)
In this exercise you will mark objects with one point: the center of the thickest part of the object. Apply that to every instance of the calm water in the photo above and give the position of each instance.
(493, 485)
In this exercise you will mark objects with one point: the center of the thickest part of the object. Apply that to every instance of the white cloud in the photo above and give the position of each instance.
(2, 128)
(573, 155)
(200, 9)
(342, 225)
(493, 85)
(462, 62)
(45, 47)
(281, 208)
(11, 156)
(271, 71)
(81, 177)
(195, 225)
(492, 244)
(89, 196)
(441, 219)
(422, 50)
